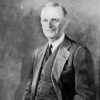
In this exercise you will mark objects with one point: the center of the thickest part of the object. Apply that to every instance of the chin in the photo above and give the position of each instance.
(51, 36)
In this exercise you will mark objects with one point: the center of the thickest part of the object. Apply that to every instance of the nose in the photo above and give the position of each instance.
(50, 24)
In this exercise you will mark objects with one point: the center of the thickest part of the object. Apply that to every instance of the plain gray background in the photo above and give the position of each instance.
(21, 33)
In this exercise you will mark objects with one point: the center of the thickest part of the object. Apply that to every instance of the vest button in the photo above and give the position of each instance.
(39, 88)
(42, 75)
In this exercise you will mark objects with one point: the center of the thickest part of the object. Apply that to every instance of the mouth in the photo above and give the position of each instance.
(53, 30)
(49, 30)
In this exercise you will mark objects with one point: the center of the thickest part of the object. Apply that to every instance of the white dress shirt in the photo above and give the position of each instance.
(57, 42)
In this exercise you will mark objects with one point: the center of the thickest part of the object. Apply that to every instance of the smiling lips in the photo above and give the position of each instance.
(51, 30)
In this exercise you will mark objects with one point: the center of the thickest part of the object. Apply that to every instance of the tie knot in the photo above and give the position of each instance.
(49, 51)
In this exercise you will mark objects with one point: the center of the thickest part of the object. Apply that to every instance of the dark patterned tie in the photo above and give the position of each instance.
(47, 55)
(48, 52)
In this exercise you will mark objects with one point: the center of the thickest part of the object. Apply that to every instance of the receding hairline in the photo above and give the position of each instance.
(54, 4)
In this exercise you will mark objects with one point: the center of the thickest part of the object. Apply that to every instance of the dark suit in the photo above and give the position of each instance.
(72, 72)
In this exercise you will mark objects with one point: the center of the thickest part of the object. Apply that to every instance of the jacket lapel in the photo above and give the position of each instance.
(61, 57)
(37, 70)
(40, 58)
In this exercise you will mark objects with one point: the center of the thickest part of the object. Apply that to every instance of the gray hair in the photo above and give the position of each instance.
(54, 4)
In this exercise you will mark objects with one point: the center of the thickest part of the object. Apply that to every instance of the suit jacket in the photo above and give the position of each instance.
(72, 73)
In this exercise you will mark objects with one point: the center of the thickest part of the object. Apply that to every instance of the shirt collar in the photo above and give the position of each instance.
(57, 42)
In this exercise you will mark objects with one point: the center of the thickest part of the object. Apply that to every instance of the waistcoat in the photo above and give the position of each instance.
(45, 90)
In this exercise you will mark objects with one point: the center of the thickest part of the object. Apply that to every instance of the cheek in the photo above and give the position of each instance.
(60, 27)
(43, 27)
(57, 26)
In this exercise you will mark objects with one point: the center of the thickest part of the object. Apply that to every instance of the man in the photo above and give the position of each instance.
(62, 68)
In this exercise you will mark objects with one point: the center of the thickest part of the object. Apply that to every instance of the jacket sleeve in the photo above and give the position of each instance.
(84, 75)
(27, 92)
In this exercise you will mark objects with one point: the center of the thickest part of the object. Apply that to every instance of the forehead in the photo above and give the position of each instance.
(52, 12)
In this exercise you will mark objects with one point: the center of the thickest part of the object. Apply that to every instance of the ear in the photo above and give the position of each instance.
(67, 20)
(40, 21)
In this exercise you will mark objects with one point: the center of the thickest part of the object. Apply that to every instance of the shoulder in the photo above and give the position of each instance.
(75, 46)
(38, 50)
(79, 51)
(81, 54)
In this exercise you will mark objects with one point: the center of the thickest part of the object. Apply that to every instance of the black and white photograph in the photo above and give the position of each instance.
(49, 49)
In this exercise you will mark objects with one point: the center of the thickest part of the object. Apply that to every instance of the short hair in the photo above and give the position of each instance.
(54, 4)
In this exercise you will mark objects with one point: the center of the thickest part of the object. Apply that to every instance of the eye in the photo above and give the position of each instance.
(55, 20)
(44, 20)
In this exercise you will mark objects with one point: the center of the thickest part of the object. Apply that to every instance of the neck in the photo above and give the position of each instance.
(51, 40)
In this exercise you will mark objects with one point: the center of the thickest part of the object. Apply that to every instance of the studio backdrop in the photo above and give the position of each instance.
(21, 33)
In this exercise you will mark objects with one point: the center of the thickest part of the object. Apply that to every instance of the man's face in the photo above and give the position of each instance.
(53, 22)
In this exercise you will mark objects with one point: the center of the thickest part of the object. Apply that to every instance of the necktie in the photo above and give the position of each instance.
(47, 55)
(48, 52)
